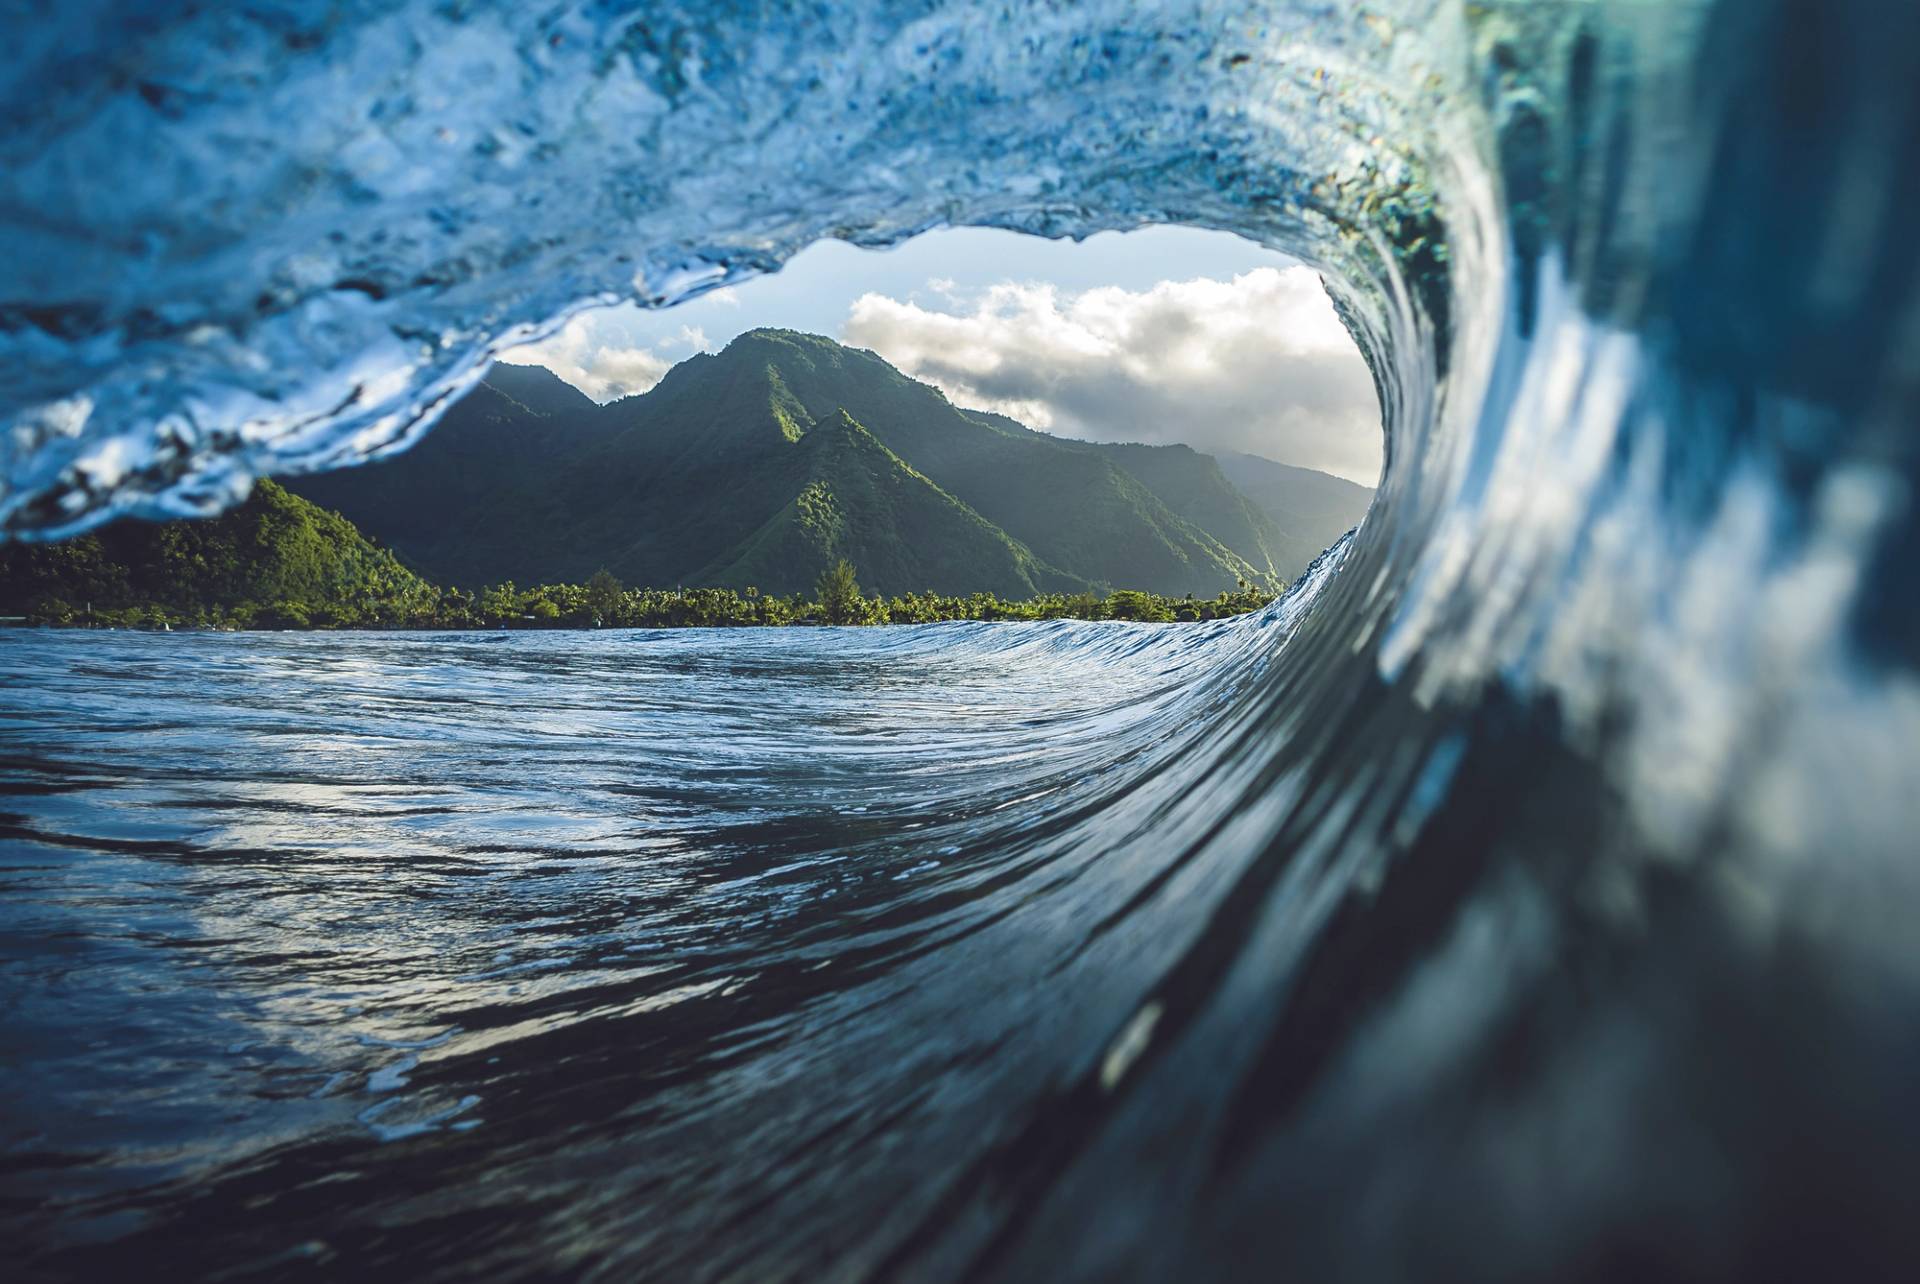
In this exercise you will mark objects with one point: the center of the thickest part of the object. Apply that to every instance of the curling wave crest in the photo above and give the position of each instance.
(1530, 892)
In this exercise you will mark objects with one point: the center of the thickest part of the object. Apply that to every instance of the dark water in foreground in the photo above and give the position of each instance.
(1541, 907)
(394, 952)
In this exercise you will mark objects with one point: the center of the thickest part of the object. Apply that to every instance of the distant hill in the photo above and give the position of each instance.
(1196, 487)
(1303, 503)
(862, 502)
(761, 464)
(539, 390)
(488, 443)
(275, 558)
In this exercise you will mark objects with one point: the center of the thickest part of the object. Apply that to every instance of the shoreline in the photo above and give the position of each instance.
(587, 607)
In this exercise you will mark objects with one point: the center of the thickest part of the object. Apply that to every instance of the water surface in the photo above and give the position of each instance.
(376, 947)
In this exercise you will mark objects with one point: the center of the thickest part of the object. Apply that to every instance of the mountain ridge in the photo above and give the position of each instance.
(273, 560)
(697, 480)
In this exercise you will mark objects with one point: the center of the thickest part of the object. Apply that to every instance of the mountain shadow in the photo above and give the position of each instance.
(760, 465)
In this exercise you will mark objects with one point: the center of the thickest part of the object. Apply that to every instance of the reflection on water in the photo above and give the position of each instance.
(557, 944)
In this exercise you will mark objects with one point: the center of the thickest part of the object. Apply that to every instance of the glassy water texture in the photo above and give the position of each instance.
(302, 930)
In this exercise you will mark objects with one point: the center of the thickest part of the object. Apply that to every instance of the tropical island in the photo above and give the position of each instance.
(280, 562)
(785, 480)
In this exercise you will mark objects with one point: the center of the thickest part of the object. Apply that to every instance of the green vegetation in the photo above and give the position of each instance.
(836, 600)
(767, 472)
(767, 462)
(278, 562)
(578, 606)
(838, 594)
(275, 561)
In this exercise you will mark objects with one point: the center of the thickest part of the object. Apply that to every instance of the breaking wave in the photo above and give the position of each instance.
(1530, 892)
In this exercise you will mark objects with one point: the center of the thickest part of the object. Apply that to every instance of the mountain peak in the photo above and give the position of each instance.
(815, 350)
(789, 438)
(778, 334)
(538, 389)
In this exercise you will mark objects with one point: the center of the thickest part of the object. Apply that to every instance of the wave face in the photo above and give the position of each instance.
(1529, 893)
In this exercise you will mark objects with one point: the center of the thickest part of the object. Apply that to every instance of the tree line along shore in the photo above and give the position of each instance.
(277, 561)
(281, 563)
(603, 602)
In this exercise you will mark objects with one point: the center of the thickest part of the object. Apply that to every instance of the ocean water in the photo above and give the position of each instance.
(1529, 894)
(636, 929)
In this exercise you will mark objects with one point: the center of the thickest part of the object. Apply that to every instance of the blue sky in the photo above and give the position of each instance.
(1160, 335)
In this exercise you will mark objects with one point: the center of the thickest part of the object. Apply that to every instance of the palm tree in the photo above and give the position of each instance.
(603, 595)
(839, 593)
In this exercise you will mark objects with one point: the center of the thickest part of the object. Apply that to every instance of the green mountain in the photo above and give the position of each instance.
(863, 503)
(761, 464)
(539, 390)
(1304, 504)
(500, 436)
(274, 559)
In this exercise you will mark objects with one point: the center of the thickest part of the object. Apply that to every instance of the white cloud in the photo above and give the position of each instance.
(601, 370)
(1259, 363)
(726, 295)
